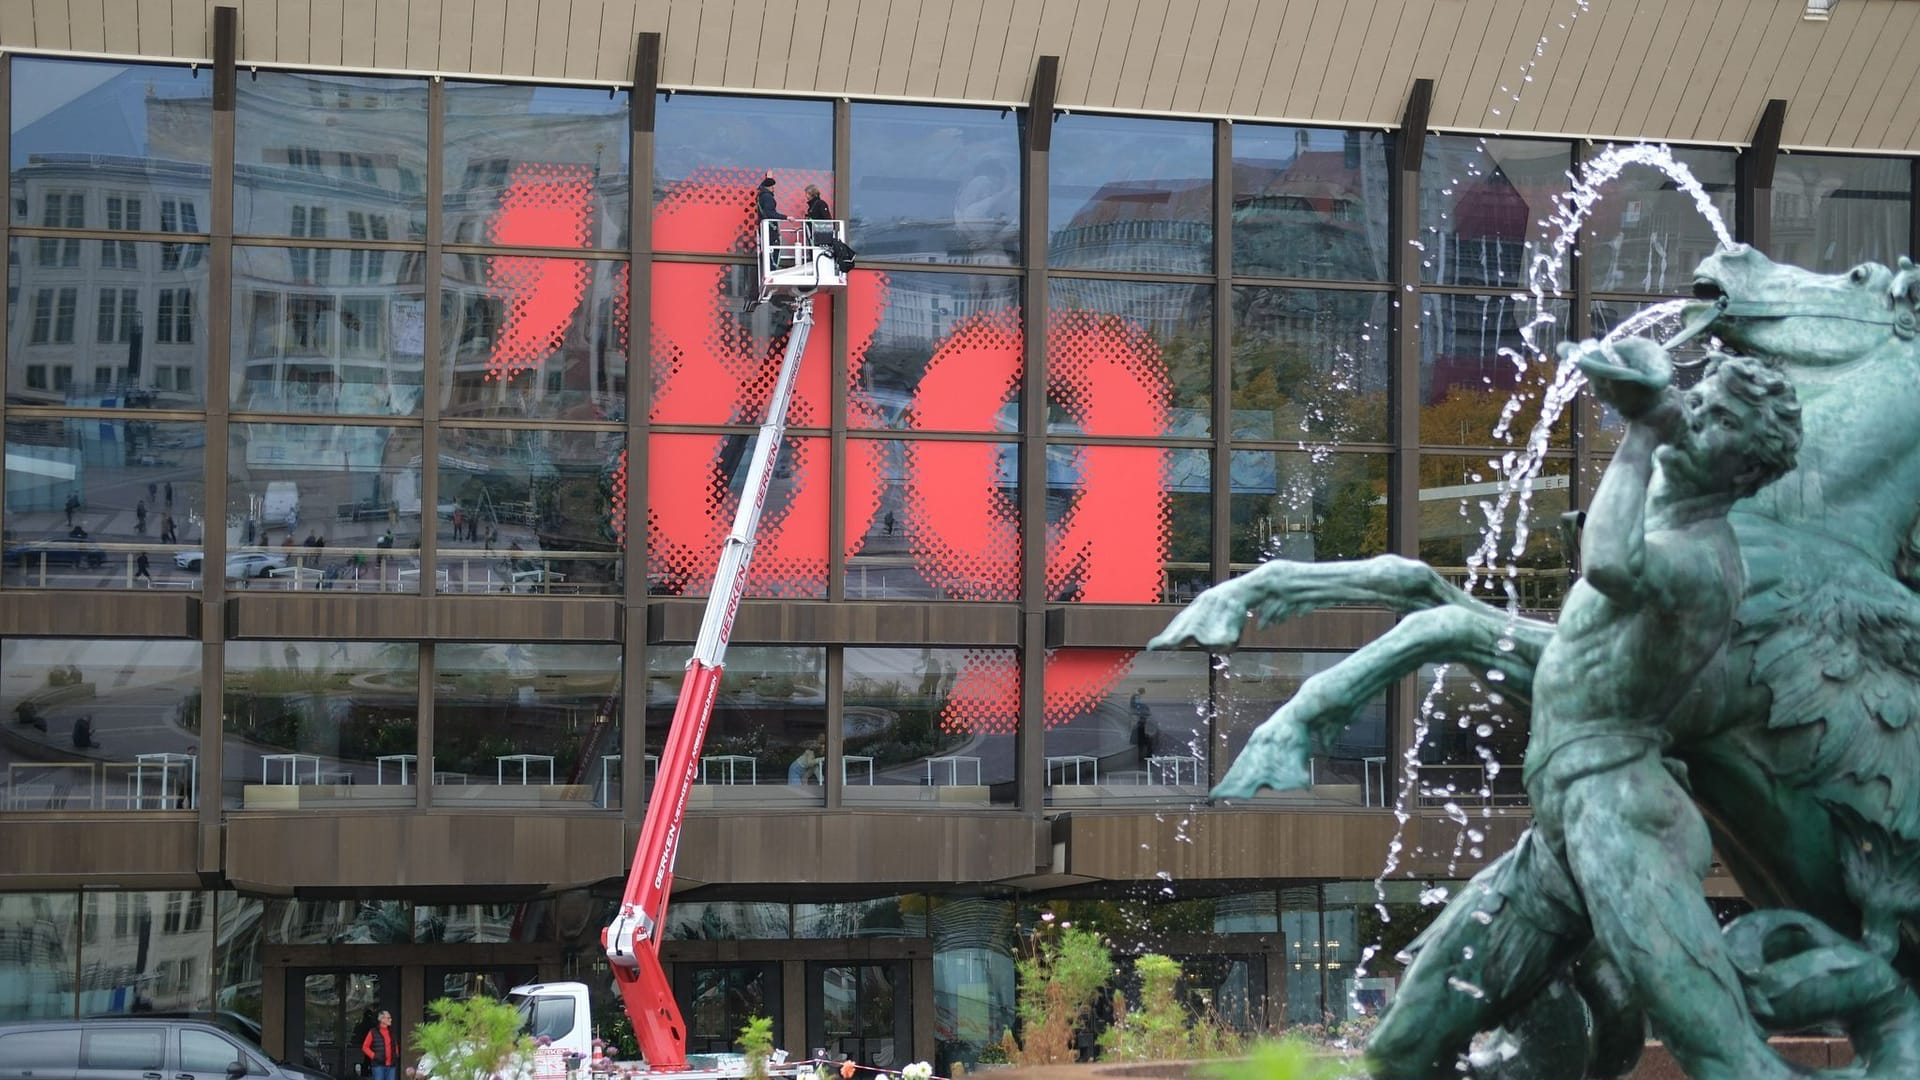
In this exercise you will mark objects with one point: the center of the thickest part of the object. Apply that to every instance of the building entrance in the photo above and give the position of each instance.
(718, 999)
(862, 1010)
(330, 1010)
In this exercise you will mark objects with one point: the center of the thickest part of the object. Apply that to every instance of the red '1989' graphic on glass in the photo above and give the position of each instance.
(708, 366)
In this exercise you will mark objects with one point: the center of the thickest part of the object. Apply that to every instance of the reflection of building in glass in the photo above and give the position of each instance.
(108, 323)
(1162, 226)
(328, 331)
(1309, 216)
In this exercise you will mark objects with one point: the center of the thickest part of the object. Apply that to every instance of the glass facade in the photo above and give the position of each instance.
(314, 724)
(99, 724)
(767, 741)
(525, 724)
(935, 185)
(328, 156)
(103, 503)
(929, 726)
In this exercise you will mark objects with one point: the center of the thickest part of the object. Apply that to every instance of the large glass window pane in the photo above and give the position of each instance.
(527, 725)
(39, 947)
(888, 916)
(1830, 213)
(947, 355)
(694, 485)
(1123, 724)
(729, 921)
(1477, 373)
(933, 520)
(533, 338)
(1307, 507)
(710, 152)
(767, 742)
(239, 966)
(1310, 365)
(934, 185)
(318, 330)
(715, 364)
(930, 726)
(333, 156)
(127, 328)
(1130, 358)
(103, 504)
(338, 922)
(1646, 235)
(1309, 203)
(528, 511)
(1480, 202)
(145, 952)
(85, 132)
(1457, 495)
(973, 976)
(535, 166)
(1129, 193)
(323, 506)
(320, 724)
(100, 725)
(1128, 524)
(1476, 742)
(1352, 770)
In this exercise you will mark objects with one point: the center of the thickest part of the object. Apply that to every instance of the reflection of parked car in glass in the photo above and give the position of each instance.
(245, 1027)
(135, 1047)
(241, 564)
(56, 553)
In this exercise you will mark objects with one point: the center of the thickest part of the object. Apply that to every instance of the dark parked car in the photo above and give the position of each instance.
(135, 1048)
(56, 553)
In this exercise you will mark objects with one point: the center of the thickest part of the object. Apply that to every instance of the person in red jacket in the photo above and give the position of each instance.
(381, 1048)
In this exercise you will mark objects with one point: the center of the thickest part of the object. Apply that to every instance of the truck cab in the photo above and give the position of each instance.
(559, 1012)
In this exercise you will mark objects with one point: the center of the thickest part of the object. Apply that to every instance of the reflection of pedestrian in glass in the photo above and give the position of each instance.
(888, 522)
(806, 768)
(140, 517)
(83, 733)
(141, 568)
(292, 654)
(169, 494)
(987, 207)
(73, 504)
(1144, 731)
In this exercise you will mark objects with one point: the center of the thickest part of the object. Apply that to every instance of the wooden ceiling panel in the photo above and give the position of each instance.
(1852, 53)
(1676, 71)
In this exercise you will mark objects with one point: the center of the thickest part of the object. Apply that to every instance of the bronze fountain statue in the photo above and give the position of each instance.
(1740, 660)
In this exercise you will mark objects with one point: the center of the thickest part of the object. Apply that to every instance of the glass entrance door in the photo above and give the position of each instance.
(330, 1011)
(862, 1011)
(718, 1000)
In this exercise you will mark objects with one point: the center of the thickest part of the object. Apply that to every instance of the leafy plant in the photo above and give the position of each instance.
(756, 1043)
(471, 1039)
(1155, 1029)
(1059, 978)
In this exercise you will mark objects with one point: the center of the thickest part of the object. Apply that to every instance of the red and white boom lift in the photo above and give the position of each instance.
(795, 262)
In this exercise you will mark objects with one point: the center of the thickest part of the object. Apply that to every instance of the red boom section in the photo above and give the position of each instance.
(657, 1023)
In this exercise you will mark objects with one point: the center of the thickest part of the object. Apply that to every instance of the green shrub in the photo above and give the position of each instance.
(470, 1039)
(756, 1043)
(1155, 1029)
(1059, 978)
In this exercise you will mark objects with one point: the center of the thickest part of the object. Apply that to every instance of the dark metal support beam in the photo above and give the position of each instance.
(1031, 753)
(642, 117)
(1753, 215)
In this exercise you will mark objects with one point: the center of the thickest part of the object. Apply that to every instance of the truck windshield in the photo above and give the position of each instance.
(549, 1016)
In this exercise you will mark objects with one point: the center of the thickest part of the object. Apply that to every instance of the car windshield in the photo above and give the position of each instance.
(523, 1003)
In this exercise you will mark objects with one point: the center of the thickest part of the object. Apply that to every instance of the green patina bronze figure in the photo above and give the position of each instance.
(1783, 686)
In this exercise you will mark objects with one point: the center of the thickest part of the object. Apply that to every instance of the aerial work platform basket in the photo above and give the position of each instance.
(798, 257)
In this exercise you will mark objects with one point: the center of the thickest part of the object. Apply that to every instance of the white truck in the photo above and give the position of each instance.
(558, 1016)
